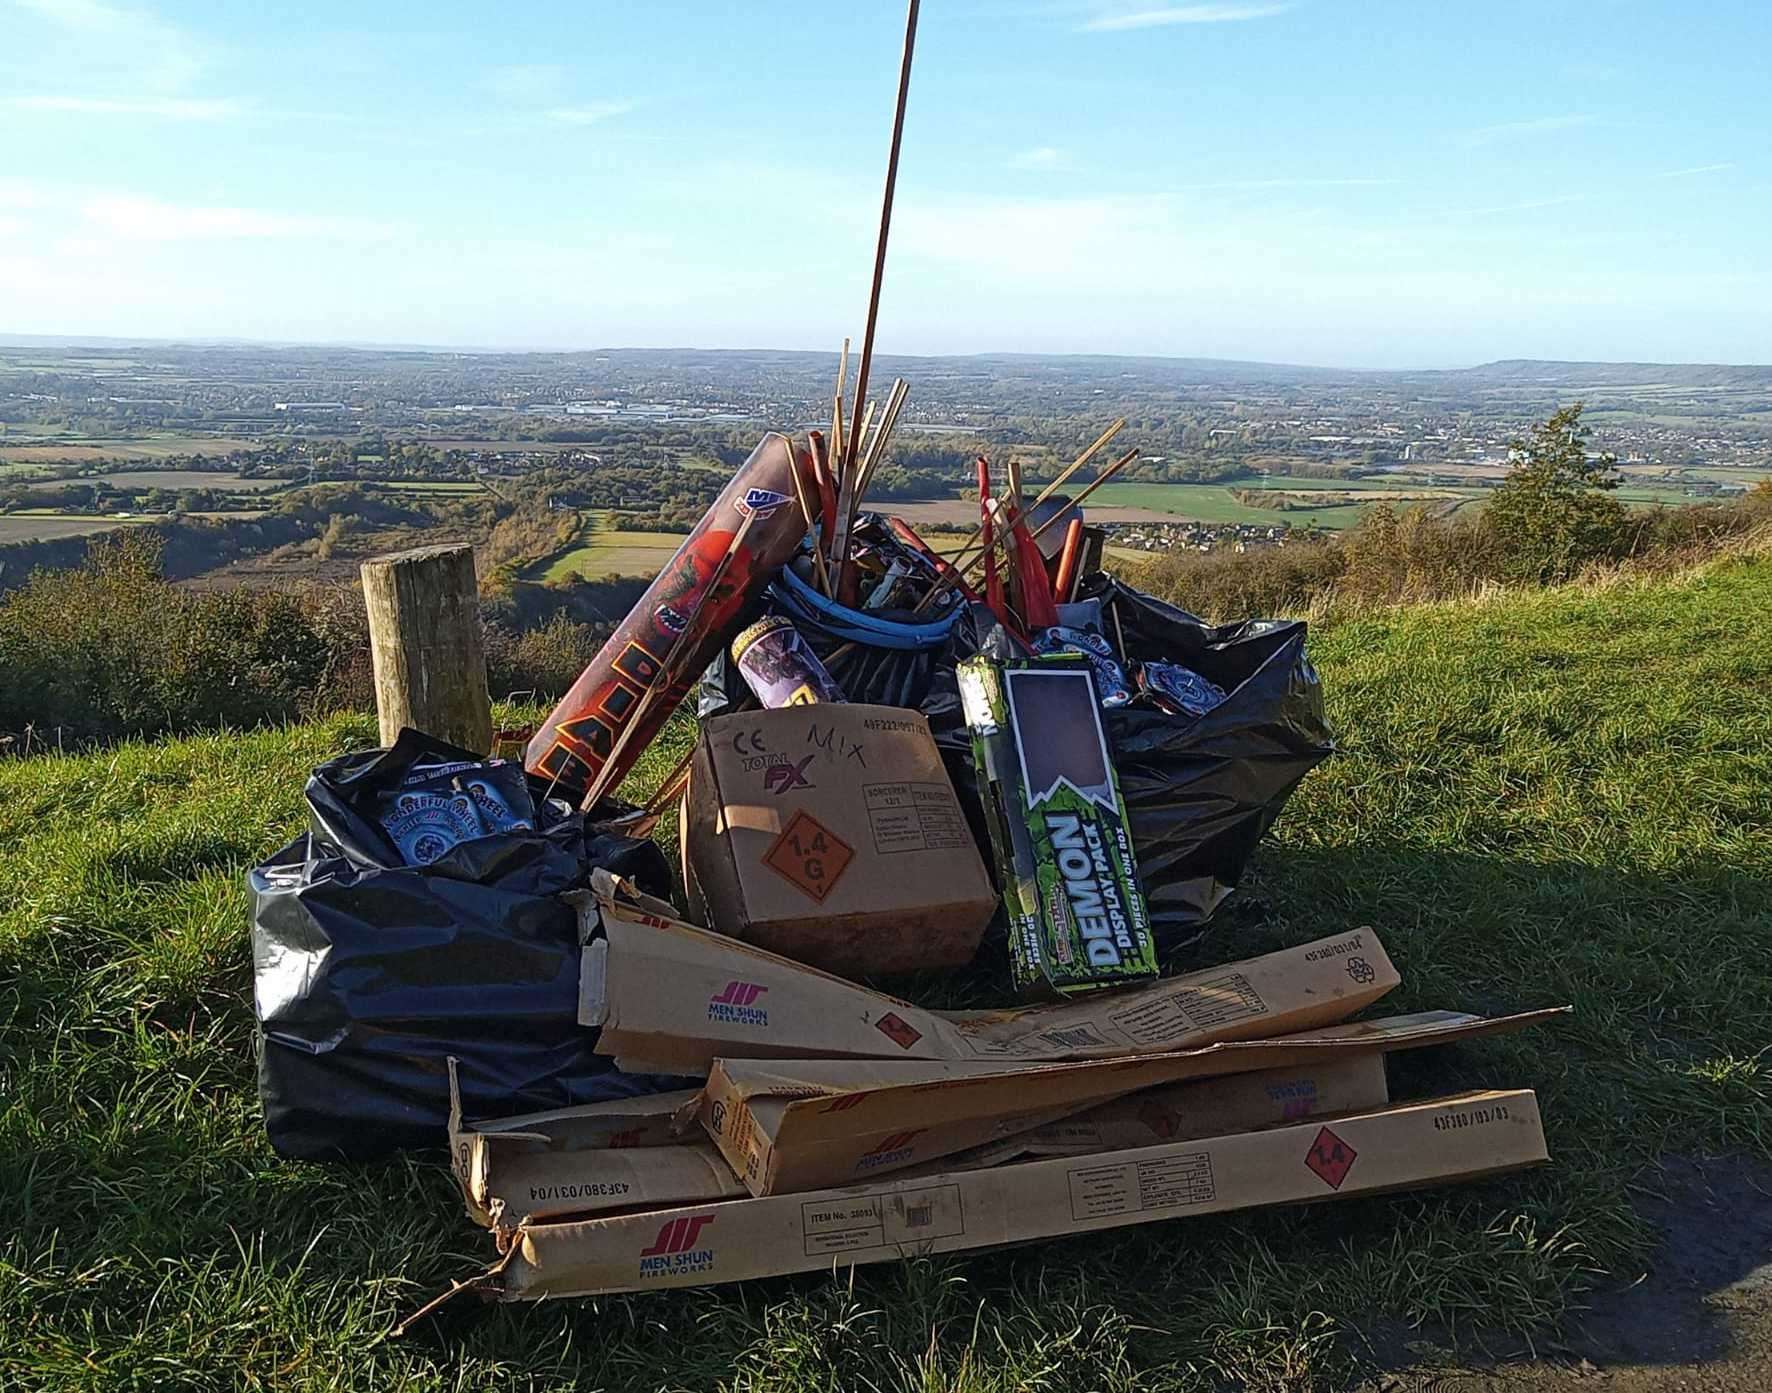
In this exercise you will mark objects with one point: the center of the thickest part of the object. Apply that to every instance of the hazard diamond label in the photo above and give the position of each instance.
(898, 1030)
(1331, 1158)
(810, 855)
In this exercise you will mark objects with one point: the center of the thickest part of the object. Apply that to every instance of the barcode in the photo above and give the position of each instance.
(919, 1216)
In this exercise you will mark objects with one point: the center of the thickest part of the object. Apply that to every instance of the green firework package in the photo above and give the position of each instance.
(1077, 919)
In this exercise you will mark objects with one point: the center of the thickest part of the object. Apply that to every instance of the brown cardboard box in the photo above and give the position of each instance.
(787, 1125)
(1199, 1108)
(602, 1157)
(832, 835)
(525, 1152)
(668, 997)
(1413, 1144)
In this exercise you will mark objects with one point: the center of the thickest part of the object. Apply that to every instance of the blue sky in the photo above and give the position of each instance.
(1348, 182)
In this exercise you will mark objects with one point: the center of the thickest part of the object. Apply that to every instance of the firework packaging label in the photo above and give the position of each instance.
(626, 681)
(1077, 919)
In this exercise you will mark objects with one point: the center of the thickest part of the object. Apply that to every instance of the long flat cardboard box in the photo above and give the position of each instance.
(577, 1161)
(1414, 1144)
(668, 997)
(1198, 1108)
(787, 1125)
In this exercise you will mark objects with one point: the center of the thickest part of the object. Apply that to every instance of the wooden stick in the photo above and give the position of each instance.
(845, 513)
(882, 432)
(661, 683)
(818, 570)
(962, 559)
(837, 408)
(867, 341)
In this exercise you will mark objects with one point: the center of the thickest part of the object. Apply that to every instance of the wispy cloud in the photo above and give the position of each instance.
(1040, 157)
(136, 218)
(588, 113)
(1525, 207)
(1121, 19)
(1696, 169)
(1305, 183)
(128, 46)
(1523, 130)
(172, 108)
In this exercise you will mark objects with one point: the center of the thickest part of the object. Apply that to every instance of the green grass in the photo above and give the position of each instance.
(1214, 503)
(1555, 798)
(605, 548)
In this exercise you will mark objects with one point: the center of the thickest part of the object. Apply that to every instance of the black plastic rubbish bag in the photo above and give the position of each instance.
(368, 974)
(1200, 791)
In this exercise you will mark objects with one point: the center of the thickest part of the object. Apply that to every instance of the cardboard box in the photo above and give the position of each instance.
(607, 1157)
(667, 997)
(832, 835)
(787, 1125)
(584, 1159)
(1077, 917)
(1414, 1144)
(1201, 1108)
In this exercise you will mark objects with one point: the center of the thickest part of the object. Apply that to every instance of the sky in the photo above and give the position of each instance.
(1362, 183)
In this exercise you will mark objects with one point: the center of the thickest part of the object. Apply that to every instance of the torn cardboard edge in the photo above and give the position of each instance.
(791, 1125)
(564, 1162)
(671, 998)
(1409, 1145)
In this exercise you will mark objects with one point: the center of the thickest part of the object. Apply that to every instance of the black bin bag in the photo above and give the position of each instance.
(369, 974)
(1200, 792)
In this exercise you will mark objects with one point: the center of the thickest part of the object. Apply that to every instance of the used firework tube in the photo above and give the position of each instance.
(993, 585)
(583, 730)
(1066, 580)
(780, 668)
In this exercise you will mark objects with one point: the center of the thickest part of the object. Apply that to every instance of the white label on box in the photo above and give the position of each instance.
(1170, 1182)
(904, 1217)
(914, 817)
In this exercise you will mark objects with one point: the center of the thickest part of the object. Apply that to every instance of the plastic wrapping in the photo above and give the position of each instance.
(369, 974)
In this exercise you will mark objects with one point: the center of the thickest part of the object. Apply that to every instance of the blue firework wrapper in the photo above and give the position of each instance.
(1110, 677)
(1178, 690)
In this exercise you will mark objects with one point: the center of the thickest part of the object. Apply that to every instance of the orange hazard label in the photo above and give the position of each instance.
(810, 855)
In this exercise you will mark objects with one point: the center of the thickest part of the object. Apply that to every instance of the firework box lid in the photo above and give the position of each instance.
(1393, 1148)
(788, 1125)
(668, 997)
(832, 834)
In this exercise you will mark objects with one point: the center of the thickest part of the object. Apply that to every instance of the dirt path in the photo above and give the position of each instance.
(1698, 1321)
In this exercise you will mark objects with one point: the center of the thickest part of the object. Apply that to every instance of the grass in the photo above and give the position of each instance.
(609, 549)
(1557, 797)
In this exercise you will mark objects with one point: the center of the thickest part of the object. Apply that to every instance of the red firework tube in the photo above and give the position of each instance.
(1066, 580)
(1037, 608)
(578, 737)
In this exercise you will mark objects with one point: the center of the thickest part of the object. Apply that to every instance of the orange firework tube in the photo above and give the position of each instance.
(1066, 580)
(578, 737)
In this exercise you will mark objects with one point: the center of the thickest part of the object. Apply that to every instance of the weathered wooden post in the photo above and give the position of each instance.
(424, 638)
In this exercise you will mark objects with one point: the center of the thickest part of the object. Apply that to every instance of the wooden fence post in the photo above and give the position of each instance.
(424, 638)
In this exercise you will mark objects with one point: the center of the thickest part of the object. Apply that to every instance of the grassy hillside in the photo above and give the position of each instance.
(1554, 798)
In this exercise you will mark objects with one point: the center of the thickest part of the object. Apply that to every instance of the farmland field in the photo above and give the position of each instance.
(90, 451)
(36, 527)
(610, 550)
